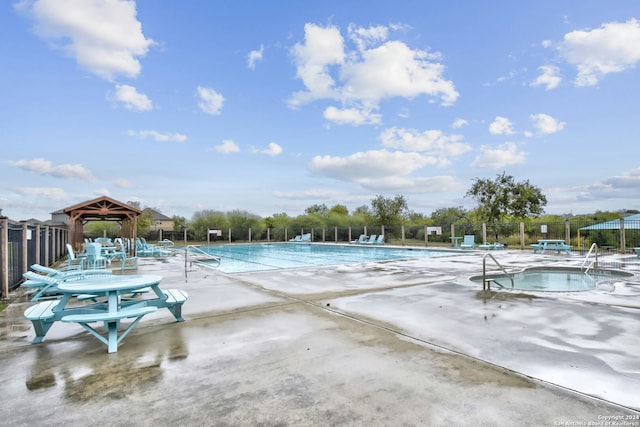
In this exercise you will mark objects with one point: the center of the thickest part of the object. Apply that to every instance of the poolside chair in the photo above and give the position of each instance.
(361, 239)
(74, 258)
(126, 262)
(306, 237)
(298, 238)
(372, 239)
(468, 242)
(46, 285)
(95, 258)
(379, 240)
(145, 249)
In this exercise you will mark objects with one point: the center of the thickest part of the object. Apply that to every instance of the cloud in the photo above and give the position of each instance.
(501, 126)
(431, 141)
(157, 136)
(352, 116)
(255, 56)
(210, 101)
(629, 180)
(546, 124)
(273, 150)
(367, 165)
(549, 77)
(458, 123)
(44, 167)
(361, 77)
(54, 193)
(227, 146)
(132, 99)
(612, 48)
(496, 158)
(103, 36)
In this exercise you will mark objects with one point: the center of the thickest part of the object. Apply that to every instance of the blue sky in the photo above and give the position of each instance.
(274, 106)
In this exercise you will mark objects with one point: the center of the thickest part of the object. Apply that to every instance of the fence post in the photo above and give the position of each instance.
(402, 231)
(484, 233)
(567, 232)
(37, 233)
(25, 247)
(4, 253)
(522, 235)
(249, 234)
(335, 234)
(623, 241)
(47, 247)
(426, 236)
(229, 234)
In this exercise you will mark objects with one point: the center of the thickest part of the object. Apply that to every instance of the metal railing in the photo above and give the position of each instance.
(194, 253)
(594, 246)
(486, 283)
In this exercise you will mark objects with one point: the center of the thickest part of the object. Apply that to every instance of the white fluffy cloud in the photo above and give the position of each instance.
(132, 99)
(158, 136)
(103, 36)
(370, 164)
(272, 150)
(255, 56)
(549, 77)
(430, 141)
(501, 126)
(359, 78)
(210, 101)
(612, 48)
(499, 157)
(545, 124)
(227, 146)
(45, 167)
(353, 116)
(458, 123)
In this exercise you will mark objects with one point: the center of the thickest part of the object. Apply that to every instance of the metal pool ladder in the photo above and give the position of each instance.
(594, 246)
(486, 283)
(198, 255)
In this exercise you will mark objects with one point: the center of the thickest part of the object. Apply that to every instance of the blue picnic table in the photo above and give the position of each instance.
(553, 244)
(113, 300)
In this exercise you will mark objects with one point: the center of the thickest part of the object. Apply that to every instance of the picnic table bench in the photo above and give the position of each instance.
(112, 304)
(553, 244)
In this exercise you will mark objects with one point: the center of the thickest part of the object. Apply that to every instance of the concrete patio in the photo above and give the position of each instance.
(409, 342)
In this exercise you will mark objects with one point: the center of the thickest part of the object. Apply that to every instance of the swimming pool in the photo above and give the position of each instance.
(242, 258)
(553, 279)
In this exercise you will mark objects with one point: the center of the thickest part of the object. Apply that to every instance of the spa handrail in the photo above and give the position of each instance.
(595, 261)
(484, 271)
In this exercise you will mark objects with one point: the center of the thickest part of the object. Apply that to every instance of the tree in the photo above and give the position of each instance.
(502, 197)
(317, 209)
(389, 211)
(446, 216)
(179, 223)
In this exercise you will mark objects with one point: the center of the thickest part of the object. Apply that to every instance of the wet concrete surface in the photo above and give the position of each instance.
(409, 342)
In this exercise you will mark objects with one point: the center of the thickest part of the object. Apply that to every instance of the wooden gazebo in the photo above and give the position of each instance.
(101, 209)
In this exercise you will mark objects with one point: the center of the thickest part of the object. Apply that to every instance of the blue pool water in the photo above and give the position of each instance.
(257, 257)
(554, 279)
